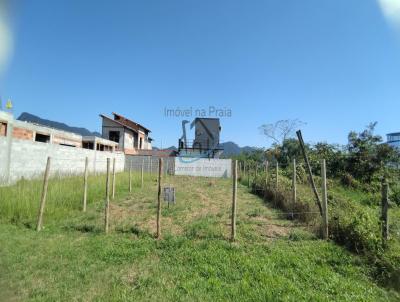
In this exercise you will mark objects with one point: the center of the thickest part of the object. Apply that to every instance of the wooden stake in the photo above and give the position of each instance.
(277, 176)
(384, 208)
(234, 197)
(160, 164)
(107, 205)
(294, 186)
(142, 172)
(151, 166)
(266, 173)
(113, 180)
(130, 177)
(44, 195)
(85, 183)
(248, 176)
(310, 176)
(325, 232)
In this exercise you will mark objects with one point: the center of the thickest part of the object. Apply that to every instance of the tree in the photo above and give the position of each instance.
(285, 153)
(334, 156)
(281, 130)
(278, 133)
(251, 157)
(367, 155)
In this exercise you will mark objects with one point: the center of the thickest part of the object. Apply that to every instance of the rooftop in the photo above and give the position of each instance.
(128, 122)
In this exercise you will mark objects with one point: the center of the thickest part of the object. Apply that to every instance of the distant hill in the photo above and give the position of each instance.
(172, 148)
(27, 117)
(230, 149)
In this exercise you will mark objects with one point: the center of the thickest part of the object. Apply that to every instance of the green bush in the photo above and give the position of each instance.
(354, 216)
(395, 194)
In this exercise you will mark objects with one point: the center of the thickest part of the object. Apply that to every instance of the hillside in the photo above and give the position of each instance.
(230, 149)
(273, 259)
(27, 117)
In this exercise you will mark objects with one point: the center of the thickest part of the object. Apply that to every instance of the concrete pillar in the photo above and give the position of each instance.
(95, 155)
(10, 128)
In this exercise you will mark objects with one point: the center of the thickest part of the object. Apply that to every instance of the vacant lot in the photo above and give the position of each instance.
(73, 260)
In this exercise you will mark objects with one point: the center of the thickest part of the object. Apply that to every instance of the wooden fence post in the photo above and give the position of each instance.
(85, 183)
(151, 166)
(325, 231)
(277, 176)
(142, 172)
(310, 176)
(266, 173)
(160, 165)
(113, 180)
(294, 186)
(130, 177)
(234, 198)
(44, 195)
(384, 208)
(248, 176)
(107, 205)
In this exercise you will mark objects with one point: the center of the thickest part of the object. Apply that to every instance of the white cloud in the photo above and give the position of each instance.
(391, 10)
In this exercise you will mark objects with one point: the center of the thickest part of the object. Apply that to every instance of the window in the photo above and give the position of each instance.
(140, 143)
(393, 138)
(113, 136)
(100, 147)
(3, 129)
(67, 145)
(43, 138)
(87, 145)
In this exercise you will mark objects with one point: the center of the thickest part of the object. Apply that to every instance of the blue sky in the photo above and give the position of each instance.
(333, 64)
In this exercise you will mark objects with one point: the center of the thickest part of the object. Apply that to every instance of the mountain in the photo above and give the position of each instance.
(231, 148)
(27, 117)
(172, 148)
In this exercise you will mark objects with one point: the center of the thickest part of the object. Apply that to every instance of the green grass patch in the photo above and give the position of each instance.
(72, 259)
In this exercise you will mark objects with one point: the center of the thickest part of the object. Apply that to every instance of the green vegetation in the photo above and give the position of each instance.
(273, 259)
(355, 172)
(353, 218)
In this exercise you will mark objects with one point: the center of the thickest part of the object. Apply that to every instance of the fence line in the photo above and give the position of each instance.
(324, 201)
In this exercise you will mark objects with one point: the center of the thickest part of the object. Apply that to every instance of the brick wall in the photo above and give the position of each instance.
(66, 141)
(21, 133)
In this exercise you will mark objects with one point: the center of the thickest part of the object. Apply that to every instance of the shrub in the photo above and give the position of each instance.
(349, 181)
(395, 194)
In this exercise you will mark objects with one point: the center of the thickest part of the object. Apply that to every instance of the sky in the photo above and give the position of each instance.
(333, 64)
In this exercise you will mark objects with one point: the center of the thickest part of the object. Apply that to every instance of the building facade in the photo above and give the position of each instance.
(206, 143)
(16, 129)
(132, 138)
(393, 139)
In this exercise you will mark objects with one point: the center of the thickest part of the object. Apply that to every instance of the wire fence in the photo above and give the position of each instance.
(143, 182)
(280, 188)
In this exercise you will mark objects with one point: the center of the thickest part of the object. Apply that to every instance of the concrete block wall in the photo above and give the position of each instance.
(207, 167)
(27, 159)
(150, 163)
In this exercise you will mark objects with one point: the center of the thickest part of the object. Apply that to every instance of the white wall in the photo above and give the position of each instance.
(28, 159)
(213, 167)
